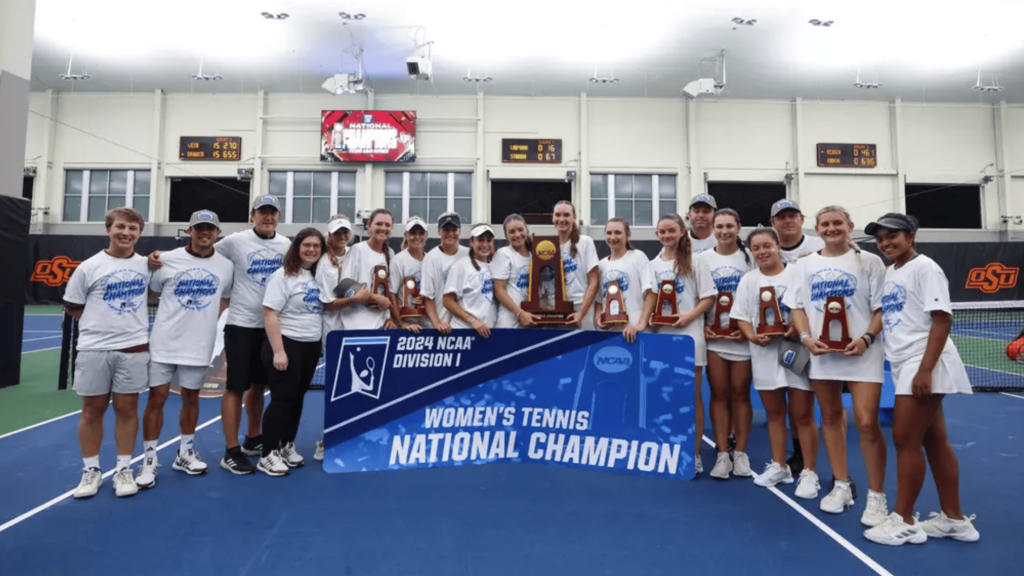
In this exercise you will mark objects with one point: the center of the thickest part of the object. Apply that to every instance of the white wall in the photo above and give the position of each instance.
(731, 140)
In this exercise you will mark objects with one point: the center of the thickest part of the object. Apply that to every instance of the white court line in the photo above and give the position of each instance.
(69, 493)
(40, 350)
(1003, 393)
(43, 331)
(860, 555)
(43, 338)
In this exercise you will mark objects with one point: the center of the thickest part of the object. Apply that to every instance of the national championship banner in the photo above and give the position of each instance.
(582, 399)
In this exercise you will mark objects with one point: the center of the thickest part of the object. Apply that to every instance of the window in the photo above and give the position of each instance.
(228, 198)
(26, 187)
(88, 194)
(638, 198)
(944, 205)
(428, 194)
(752, 200)
(313, 197)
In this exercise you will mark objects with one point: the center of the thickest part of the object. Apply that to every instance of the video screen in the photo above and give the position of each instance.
(367, 136)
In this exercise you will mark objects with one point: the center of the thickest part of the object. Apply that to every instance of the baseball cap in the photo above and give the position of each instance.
(347, 288)
(266, 200)
(891, 221)
(414, 222)
(704, 199)
(337, 224)
(449, 219)
(793, 356)
(204, 217)
(480, 230)
(784, 205)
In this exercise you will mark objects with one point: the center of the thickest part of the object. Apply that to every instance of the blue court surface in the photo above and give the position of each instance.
(511, 519)
(41, 332)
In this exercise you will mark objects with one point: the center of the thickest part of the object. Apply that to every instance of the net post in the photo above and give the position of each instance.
(67, 328)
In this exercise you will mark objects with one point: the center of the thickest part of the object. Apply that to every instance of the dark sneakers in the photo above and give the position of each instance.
(253, 446)
(236, 462)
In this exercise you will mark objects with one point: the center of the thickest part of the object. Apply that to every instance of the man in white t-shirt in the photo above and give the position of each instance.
(195, 284)
(701, 216)
(788, 222)
(107, 295)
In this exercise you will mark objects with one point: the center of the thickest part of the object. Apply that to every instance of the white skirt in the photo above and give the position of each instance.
(948, 377)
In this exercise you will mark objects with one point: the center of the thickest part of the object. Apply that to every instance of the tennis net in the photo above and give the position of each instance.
(982, 332)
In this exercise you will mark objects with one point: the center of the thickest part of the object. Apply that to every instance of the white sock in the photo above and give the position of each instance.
(93, 462)
(187, 440)
(123, 461)
(882, 494)
(149, 447)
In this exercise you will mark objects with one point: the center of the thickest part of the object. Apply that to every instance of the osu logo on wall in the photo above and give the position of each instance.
(993, 278)
(54, 272)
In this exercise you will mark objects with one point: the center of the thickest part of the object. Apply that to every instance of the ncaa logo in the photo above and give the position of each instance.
(613, 359)
(361, 364)
(367, 118)
(788, 357)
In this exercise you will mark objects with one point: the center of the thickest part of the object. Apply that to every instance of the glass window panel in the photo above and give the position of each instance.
(322, 184)
(142, 182)
(666, 207)
(300, 210)
(643, 213)
(666, 186)
(393, 204)
(72, 208)
(464, 206)
(142, 205)
(463, 185)
(321, 210)
(623, 188)
(118, 182)
(97, 208)
(624, 208)
(303, 184)
(347, 206)
(392, 184)
(278, 185)
(642, 186)
(347, 184)
(437, 207)
(73, 183)
(115, 202)
(599, 187)
(98, 182)
(417, 184)
(418, 207)
(598, 211)
(438, 185)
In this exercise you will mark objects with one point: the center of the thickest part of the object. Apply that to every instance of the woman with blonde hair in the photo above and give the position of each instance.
(409, 264)
(510, 270)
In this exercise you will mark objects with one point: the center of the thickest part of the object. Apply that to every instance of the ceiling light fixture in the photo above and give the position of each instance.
(993, 87)
(347, 83)
(206, 77)
(821, 23)
(74, 77)
(610, 80)
(347, 16)
(476, 79)
(743, 22)
(269, 16)
(866, 85)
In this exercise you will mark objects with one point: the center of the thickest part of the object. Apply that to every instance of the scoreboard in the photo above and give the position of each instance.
(216, 148)
(528, 151)
(847, 155)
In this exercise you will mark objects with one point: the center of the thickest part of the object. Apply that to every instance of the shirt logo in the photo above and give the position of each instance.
(488, 289)
(124, 291)
(312, 297)
(614, 276)
(569, 265)
(54, 272)
(362, 367)
(194, 287)
(832, 282)
(727, 278)
(671, 275)
(894, 298)
(262, 263)
(993, 278)
(522, 276)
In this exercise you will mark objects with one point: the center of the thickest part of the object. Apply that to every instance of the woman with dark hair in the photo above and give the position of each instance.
(510, 269)
(366, 309)
(291, 314)
(630, 270)
(469, 291)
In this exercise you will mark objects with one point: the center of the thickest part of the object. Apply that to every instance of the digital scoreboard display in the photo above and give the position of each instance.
(217, 148)
(847, 156)
(524, 151)
(367, 136)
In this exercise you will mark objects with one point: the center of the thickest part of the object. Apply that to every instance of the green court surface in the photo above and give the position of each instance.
(36, 399)
(54, 310)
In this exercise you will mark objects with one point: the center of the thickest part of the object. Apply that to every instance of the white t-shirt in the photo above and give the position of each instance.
(861, 287)
(436, 267)
(633, 274)
(255, 259)
(726, 272)
(359, 266)
(689, 291)
(909, 296)
(698, 246)
(327, 277)
(474, 289)
(510, 266)
(114, 293)
(297, 298)
(191, 289)
(577, 267)
(402, 266)
(806, 245)
(768, 372)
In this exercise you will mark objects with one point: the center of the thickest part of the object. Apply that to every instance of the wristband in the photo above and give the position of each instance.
(869, 337)
(804, 336)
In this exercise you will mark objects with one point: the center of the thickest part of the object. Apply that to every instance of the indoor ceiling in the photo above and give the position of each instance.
(917, 51)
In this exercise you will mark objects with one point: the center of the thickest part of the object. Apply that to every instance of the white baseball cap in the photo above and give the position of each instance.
(414, 222)
(337, 224)
(480, 230)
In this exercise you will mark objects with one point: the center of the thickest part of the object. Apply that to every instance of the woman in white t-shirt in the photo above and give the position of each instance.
(771, 379)
(847, 282)
(409, 264)
(926, 365)
(291, 315)
(579, 260)
(366, 308)
(630, 270)
(728, 353)
(469, 292)
(437, 265)
(510, 270)
(695, 293)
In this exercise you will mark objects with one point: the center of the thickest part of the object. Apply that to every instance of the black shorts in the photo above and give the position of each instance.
(242, 347)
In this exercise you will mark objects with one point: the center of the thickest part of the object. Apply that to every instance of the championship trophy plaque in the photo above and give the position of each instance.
(769, 317)
(666, 311)
(379, 286)
(545, 297)
(614, 306)
(835, 317)
(410, 292)
(723, 325)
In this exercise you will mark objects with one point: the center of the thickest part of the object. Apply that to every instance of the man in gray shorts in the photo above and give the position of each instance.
(107, 295)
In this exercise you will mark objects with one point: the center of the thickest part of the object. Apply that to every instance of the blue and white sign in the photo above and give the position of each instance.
(582, 399)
